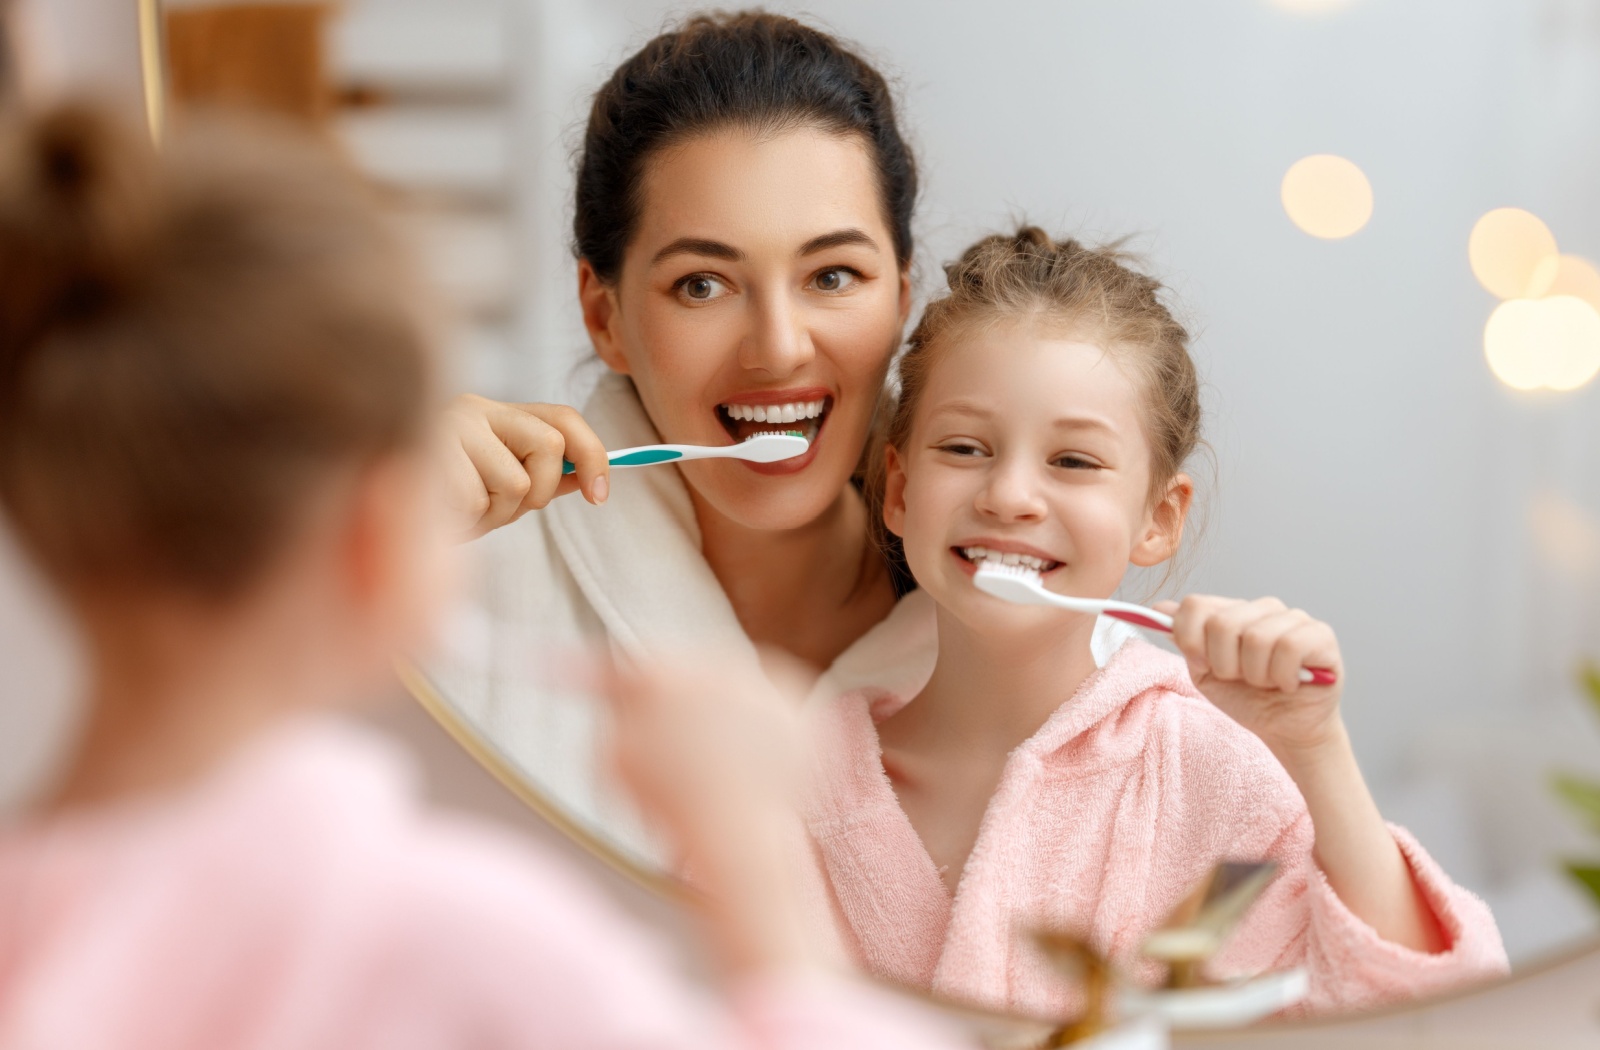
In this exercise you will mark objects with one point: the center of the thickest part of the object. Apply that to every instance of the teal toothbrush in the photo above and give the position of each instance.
(761, 448)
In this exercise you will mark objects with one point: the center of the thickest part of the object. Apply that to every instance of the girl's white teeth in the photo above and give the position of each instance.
(793, 412)
(1027, 561)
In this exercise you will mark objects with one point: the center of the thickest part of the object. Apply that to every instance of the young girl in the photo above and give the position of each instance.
(213, 442)
(1048, 405)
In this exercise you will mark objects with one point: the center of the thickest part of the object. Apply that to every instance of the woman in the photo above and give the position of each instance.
(213, 394)
(743, 232)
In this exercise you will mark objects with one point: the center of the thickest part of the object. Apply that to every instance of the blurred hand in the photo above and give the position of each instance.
(1246, 656)
(503, 460)
(713, 753)
(704, 749)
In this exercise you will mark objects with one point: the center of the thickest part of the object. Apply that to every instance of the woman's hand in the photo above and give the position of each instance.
(1246, 656)
(503, 460)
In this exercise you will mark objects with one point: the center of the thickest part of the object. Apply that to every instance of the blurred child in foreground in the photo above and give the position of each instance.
(214, 389)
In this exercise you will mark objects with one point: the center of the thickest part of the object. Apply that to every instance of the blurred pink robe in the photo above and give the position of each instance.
(1102, 822)
(299, 898)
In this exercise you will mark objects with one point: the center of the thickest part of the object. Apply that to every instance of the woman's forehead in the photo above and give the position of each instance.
(759, 192)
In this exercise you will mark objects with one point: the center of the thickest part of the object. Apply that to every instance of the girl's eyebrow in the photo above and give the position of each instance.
(961, 406)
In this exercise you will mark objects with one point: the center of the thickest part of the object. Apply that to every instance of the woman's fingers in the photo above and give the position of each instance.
(581, 446)
(504, 479)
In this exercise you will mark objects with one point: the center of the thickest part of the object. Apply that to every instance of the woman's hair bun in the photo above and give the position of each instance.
(75, 191)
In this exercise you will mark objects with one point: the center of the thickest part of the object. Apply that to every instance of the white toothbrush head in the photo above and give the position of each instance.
(771, 447)
(1013, 583)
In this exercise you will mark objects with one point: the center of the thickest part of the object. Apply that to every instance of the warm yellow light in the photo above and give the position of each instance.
(1327, 196)
(1552, 343)
(1566, 275)
(1311, 7)
(1506, 247)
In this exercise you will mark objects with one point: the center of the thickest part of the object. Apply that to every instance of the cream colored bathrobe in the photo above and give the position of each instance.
(628, 575)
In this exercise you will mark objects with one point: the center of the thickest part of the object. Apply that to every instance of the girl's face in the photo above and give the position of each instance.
(1027, 445)
(760, 293)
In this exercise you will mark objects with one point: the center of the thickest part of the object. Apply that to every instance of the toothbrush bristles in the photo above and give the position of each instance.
(775, 433)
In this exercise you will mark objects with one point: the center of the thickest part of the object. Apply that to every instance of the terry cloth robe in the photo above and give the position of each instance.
(627, 575)
(299, 896)
(1102, 822)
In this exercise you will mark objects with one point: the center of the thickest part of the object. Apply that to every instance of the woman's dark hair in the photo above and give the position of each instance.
(747, 69)
(191, 344)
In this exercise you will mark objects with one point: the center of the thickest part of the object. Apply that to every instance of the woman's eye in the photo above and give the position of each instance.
(835, 280)
(701, 287)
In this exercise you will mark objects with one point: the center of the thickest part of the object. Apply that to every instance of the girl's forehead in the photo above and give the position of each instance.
(1028, 365)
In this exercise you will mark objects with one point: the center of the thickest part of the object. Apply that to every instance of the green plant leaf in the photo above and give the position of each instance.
(1590, 676)
(1582, 795)
(1587, 875)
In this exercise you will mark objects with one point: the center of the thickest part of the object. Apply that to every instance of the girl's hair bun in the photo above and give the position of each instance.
(75, 192)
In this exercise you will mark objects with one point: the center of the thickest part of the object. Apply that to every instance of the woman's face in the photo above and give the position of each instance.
(1027, 447)
(760, 293)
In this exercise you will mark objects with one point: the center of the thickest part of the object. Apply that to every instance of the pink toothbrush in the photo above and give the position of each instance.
(1020, 584)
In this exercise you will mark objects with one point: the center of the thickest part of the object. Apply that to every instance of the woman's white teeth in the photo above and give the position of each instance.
(793, 412)
(1027, 561)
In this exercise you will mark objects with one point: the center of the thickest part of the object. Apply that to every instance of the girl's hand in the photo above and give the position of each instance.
(1246, 656)
(503, 460)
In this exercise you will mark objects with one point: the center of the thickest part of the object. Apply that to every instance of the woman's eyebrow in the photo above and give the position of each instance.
(698, 246)
(837, 239)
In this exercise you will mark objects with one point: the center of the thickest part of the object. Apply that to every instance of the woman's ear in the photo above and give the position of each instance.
(1163, 531)
(894, 491)
(601, 314)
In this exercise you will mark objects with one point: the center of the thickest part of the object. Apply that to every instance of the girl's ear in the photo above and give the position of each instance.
(601, 313)
(1163, 532)
(894, 491)
(905, 295)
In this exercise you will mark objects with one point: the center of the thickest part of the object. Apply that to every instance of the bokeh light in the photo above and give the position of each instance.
(1327, 196)
(1506, 248)
(1566, 275)
(1551, 343)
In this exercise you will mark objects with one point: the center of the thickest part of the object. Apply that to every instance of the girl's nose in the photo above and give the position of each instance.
(1011, 493)
(779, 342)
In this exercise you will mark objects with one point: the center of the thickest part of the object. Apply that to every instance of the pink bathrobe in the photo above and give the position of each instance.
(299, 899)
(1102, 822)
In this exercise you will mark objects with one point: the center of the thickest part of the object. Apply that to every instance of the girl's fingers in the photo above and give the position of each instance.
(1225, 634)
(1259, 645)
(581, 446)
(1311, 644)
(1189, 630)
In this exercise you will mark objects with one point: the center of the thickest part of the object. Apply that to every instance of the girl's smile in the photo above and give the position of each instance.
(1028, 449)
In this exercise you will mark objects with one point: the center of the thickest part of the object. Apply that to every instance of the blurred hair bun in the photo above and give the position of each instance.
(75, 210)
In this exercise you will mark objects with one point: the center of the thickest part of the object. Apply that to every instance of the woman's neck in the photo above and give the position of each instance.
(811, 591)
(994, 690)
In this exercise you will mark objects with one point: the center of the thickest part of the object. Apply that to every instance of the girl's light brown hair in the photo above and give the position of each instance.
(191, 343)
(1094, 293)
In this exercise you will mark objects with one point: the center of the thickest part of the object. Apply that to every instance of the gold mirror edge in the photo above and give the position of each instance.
(153, 66)
(486, 755)
(464, 734)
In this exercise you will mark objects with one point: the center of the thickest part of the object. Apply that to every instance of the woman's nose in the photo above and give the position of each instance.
(1011, 493)
(779, 342)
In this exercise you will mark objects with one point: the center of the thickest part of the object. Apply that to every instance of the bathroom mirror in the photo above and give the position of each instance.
(1372, 459)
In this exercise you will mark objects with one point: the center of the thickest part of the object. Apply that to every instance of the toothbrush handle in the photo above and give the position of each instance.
(1152, 620)
(635, 457)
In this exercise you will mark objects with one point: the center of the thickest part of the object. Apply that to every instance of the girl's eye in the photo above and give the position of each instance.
(1072, 462)
(700, 287)
(960, 448)
(835, 280)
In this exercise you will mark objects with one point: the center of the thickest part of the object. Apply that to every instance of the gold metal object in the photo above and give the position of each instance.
(1201, 924)
(153, 67)
(1075, 957)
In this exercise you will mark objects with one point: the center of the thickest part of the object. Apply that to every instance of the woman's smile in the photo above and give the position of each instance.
(802, 411)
